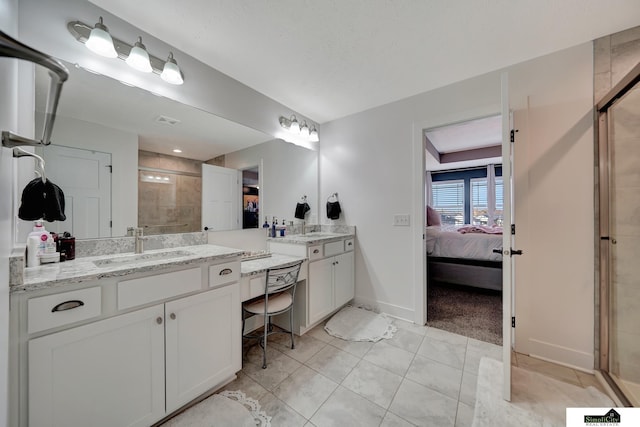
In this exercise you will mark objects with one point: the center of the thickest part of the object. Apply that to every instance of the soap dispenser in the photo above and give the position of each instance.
(266, 227)
(273, 227)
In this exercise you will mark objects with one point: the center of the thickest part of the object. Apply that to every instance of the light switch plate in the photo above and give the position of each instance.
(401, 220)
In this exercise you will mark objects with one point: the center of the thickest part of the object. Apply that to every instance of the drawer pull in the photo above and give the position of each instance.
(350, 244)
(225, 271)
(67, 305)
(316, 251)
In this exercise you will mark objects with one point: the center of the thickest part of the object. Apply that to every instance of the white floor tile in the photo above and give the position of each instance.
(423, 406)
(333, 363)
(374, 383)
(435, 375)
(305, 391)
(391, 358)
(346, 408)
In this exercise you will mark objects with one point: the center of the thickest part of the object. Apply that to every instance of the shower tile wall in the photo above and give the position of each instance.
(614, 57)
(170, 208)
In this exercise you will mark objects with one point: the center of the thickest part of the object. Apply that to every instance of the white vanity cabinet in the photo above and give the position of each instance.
(331, 285)
(330, 279)
(107, 373)
(141, 359)
(203, 343)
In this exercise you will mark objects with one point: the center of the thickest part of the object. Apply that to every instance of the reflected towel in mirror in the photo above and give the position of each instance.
(301, 210)
(333, 210)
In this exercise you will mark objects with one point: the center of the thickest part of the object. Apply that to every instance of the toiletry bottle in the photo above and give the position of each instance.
(265, 226)
(273, 227)
(283, 228)
(35, 244)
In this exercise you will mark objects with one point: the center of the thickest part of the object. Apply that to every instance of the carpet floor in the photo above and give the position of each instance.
(472, 312)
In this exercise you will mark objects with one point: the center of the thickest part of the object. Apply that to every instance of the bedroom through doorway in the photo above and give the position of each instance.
(464, 225)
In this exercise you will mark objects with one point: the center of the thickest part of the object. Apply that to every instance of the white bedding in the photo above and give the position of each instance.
(445, 241)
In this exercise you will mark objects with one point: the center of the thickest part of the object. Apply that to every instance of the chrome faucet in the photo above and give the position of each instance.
(139, 239)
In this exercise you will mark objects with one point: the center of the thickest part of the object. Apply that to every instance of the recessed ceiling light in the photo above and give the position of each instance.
(177, 150)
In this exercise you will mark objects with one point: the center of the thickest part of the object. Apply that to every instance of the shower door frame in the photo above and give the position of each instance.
(602, 245)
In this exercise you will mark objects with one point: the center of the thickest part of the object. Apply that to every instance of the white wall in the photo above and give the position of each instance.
(288, 172)
(8, 121)
(368, 159)
(123, 147)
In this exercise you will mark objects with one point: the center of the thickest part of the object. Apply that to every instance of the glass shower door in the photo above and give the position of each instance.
(624, 243)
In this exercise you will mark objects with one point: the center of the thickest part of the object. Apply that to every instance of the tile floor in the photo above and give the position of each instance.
(421, 377)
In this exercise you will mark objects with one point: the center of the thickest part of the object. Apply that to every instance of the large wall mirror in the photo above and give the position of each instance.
(112, 154)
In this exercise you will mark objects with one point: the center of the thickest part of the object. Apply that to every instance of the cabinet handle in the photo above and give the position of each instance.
(225, 271)
(67, 305)
(350, 244)
(172, 316)
(159, 320)
(337, 262)
(316, 251)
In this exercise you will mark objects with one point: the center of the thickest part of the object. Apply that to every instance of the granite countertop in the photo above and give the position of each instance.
(311, 238)
(86, 268)
(260, 265)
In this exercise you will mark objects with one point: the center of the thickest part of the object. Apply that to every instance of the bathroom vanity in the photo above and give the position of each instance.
(124, 340)
(330, 280)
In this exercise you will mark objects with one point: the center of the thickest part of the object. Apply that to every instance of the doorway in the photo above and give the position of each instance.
(250, 198)
(619, 237)
(464, 218)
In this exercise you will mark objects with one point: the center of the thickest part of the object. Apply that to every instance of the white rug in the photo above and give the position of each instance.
(536, 400)
(357, 324)
(227, 409)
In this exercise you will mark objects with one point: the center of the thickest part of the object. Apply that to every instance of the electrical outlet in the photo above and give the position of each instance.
(401, 220)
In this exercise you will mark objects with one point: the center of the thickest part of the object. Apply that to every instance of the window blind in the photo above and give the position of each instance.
(448, 199)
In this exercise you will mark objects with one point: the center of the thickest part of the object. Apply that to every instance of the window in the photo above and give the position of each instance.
(483, 212)
(448, 200)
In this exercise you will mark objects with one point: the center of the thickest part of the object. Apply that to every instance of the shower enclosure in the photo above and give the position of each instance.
(619, 234)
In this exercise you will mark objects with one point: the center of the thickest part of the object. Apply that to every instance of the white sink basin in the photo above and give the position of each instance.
(135, 258)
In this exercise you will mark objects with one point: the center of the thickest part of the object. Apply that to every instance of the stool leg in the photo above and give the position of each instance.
(264, 347)
(293, 345)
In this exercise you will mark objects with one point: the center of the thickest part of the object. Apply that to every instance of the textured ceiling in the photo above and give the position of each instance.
(330, 58)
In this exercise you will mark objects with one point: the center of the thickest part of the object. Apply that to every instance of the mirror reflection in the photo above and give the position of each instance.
(113, 155)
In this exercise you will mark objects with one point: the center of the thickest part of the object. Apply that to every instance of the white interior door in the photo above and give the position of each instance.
(508, 283)
(85, 178)
(220, 198)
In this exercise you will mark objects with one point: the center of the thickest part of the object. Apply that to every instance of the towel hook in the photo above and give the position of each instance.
(20, 152)
(333, 197)
(303, 199)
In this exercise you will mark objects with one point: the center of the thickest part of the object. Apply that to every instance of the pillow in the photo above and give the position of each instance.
(433, 216)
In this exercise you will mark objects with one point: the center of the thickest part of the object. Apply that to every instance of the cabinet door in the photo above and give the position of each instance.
(109, 373)
(203, 343)
(343, 278)
(320, 286)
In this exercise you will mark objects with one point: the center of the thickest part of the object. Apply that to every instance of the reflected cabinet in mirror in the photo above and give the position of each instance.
(113, 154)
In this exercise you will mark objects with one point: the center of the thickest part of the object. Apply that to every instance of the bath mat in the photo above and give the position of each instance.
(357, 324)
(227, 409)
(536, 399)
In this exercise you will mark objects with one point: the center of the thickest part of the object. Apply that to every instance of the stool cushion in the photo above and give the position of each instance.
(277, 302)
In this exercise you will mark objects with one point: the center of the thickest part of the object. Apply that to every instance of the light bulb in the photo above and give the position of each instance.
(139, 58)
(313, 135)
(295, 126)
(171, 72)
(100, 41)
(304, 130)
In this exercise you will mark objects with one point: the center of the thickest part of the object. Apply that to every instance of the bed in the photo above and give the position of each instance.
(464, 258)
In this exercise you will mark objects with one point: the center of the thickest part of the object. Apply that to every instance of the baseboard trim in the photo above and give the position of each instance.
(390, 309)
(565, 356)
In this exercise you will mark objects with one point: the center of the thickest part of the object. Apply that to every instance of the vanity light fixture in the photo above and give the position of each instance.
(300, 131)
(171, 73)
(304, 130)
(100, 41)
(313, 134)
(136, 56)
(177, 150)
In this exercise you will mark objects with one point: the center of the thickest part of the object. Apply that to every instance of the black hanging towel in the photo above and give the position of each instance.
(301, 210)
(42, 200)
(333, 207)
